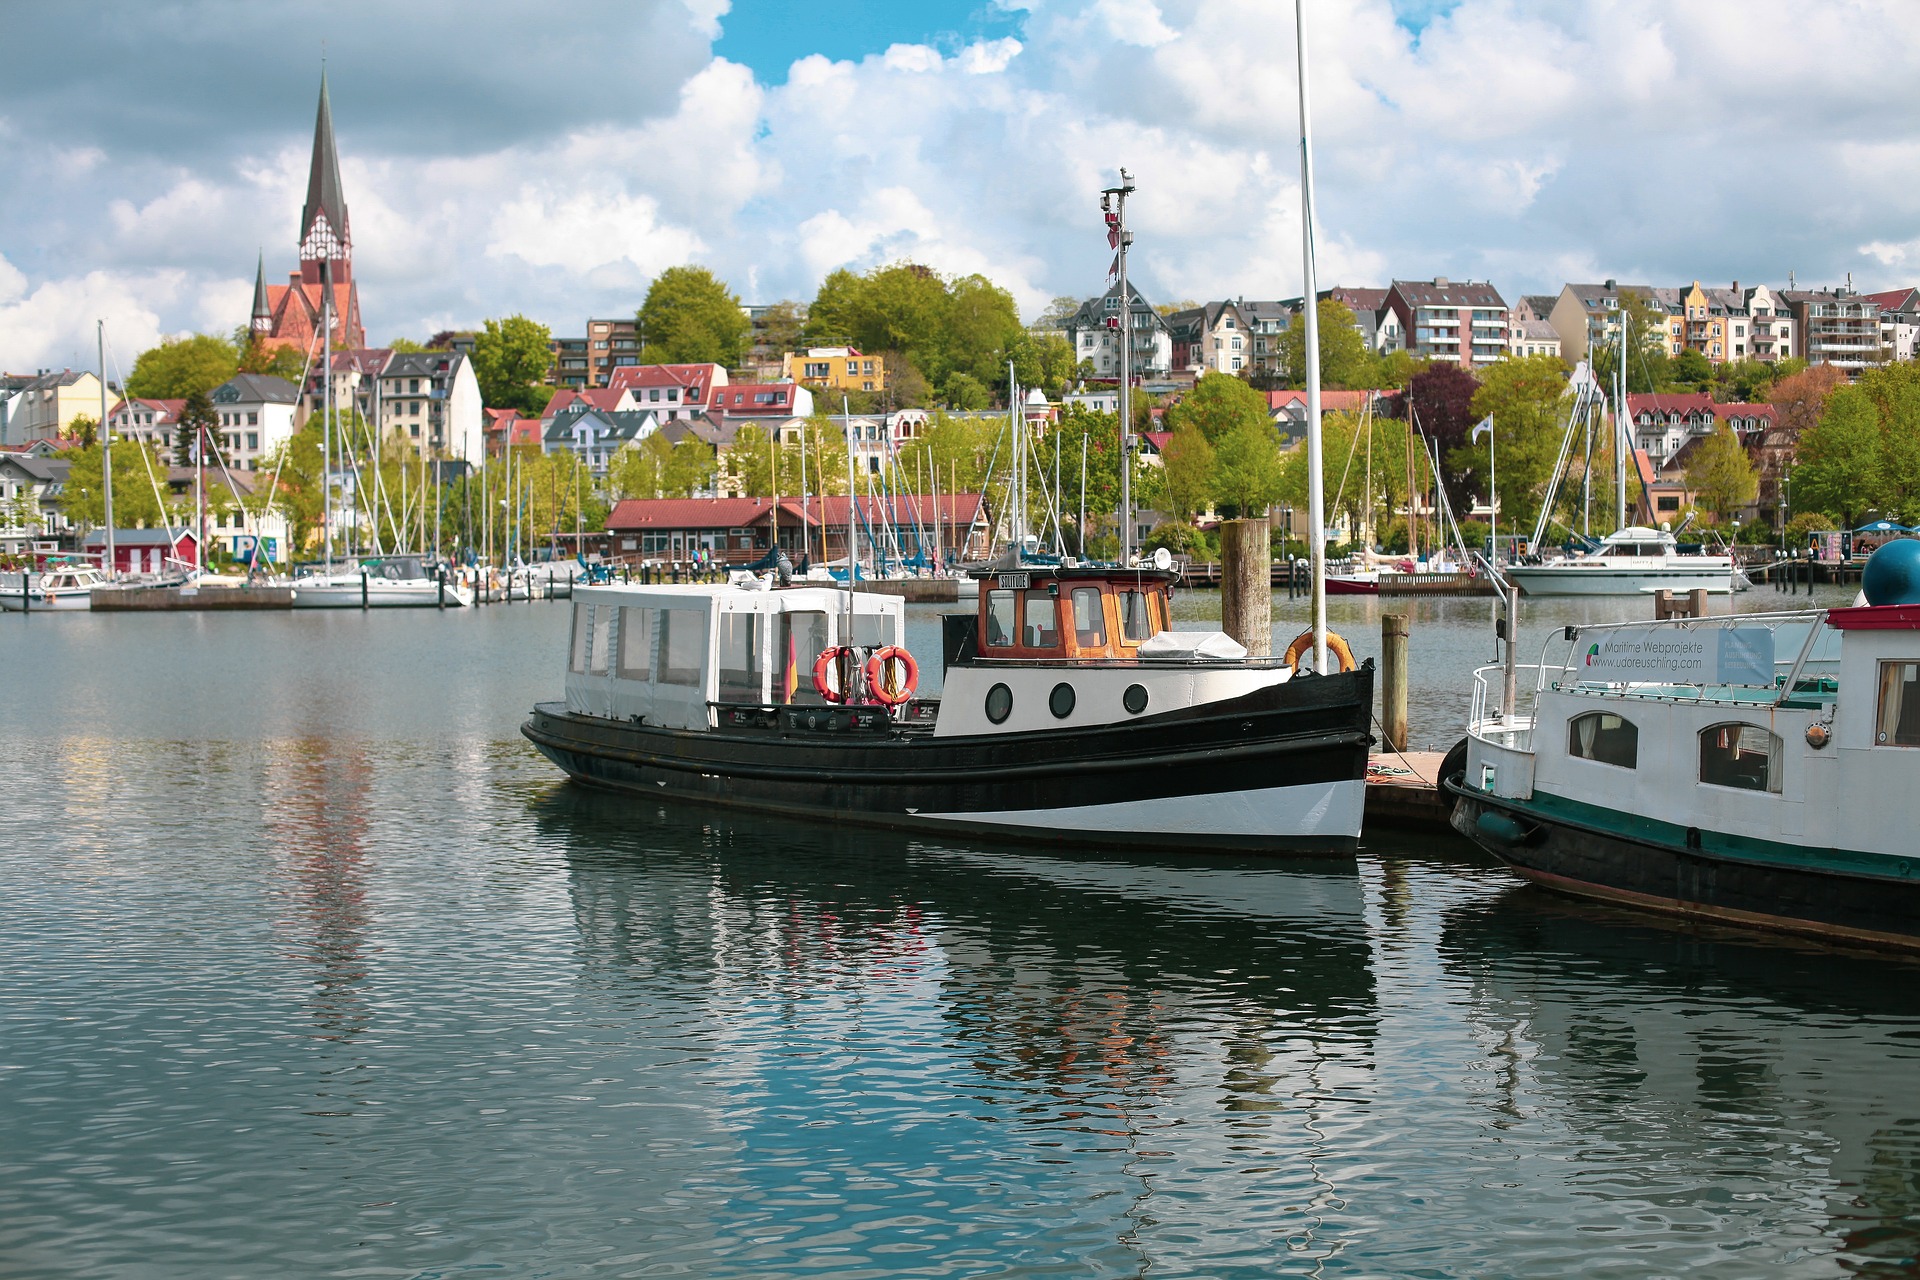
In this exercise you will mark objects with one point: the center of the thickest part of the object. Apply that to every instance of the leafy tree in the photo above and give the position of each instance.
(1894, 390)
(1345, 361)
(511, 358)
(1062, 309)
(832, 315)
(178, 367)
(1691, 368)
(636, 470)
(963, 326)
(1042, 360)
(1187, 466)
(1721, 476)
(1524, 397)
(1744, 381)
(1439, 407)
(966, 394)
(1394, 369)
(1247, 476)
(824, 455)
(691, 317)
(690, 468)
(407, 345)
(907, 387)
(751, 462)
(978, 327)
(278, 359)
(83, 498)
(1839, 460)
(1218, 404)
(86, 429)
(198, 422)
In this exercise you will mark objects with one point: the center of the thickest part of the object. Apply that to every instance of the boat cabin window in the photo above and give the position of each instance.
(1898, 721)
(582, 631)
(1000, 624)
(683, 647)
(1604, 738)
(1740, 755)
(602, 640)
(1089, 619)
(636, 644)
(1136, 616)
(1041, 619)
(871, 630)
(740, 666)
(798, 643)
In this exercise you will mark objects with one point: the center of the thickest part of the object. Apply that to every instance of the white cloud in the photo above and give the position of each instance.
(53, 325)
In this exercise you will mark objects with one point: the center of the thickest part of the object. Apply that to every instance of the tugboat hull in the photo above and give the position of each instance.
(1830, 894)
(1280, 770)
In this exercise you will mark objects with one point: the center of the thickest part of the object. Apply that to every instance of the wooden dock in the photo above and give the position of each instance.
(1403, 791)
(171, 599)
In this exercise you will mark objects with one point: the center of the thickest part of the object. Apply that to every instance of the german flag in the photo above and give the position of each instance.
(791, 680)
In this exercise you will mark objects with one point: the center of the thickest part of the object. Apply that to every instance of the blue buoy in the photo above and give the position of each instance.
(1892, 575)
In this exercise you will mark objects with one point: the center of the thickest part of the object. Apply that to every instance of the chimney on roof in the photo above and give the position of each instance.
(1613, 284)
(1736, 286)
(1439, 282)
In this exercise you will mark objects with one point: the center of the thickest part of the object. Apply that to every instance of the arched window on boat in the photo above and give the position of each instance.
(1740, 755)
(1605, 738)
(1040, 617)
(1898, 721)
(1089, 620)
(999, 619)
(1137, 621)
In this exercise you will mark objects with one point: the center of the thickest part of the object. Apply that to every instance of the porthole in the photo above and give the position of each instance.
(999, 703)
(1060, 701)
(1135, 698)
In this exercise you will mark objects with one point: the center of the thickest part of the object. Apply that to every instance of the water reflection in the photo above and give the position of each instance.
(1718, 1084)
(313, 797)
(1151, 1017)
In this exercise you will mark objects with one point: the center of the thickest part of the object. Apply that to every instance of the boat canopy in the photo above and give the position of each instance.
(666, 654)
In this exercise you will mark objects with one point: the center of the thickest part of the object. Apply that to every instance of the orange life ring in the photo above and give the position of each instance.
(1303, 644)
(879, 670)
(827, 661)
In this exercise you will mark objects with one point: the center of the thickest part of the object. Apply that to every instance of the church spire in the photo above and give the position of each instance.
(262, 319)
(324, 234)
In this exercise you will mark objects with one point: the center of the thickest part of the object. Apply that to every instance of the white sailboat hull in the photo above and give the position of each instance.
(1604, 577)
(378, 595)
(76, 600)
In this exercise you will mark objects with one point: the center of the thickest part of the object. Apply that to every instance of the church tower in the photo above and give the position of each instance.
(324, 233)
(291, 314)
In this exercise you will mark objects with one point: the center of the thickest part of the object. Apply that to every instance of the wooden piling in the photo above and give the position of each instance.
(1393, 679)
(1246, 584)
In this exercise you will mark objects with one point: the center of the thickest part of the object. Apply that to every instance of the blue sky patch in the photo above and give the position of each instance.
(769, 36)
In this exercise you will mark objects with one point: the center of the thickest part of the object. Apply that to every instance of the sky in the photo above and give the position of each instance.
(503, 158)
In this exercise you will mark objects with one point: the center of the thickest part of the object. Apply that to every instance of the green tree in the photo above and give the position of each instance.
(751, 461)
(690, 468)
(1247, 475)
(1187, 467)
(691, 317)
(966, 394)
(1062, 309)
(1894, 390)
(1042, 360)
(1647, 362)
(1840, 456)
(780, 326)
(407, 345)
(178, 367)
(1721, 476)
(1692, 369)
(83, 498)
(1524, 396)
(907, 387)
(979, 325)
(1345, 361)
(198, 424)
(511, 358)
(833, 312)
(636, 470)
(86, 429)
(1218, 404)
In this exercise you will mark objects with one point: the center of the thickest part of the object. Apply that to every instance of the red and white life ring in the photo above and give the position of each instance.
(826, 671)
(892, 675)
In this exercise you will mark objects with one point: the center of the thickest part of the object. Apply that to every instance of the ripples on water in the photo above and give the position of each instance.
(323, 973)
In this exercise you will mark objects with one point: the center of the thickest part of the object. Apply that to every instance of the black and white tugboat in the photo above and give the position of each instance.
(1070, 714)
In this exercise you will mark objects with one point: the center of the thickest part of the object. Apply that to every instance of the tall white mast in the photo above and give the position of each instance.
(326, 408)
(106, 459)
(1316, 487)
(1621, 436)
(1114, 202)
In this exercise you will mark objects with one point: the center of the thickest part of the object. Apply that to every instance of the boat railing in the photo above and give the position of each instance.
(1805, 660)
(1491, 720)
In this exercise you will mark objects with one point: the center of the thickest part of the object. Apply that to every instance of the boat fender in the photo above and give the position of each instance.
(826, 672)
(1817, 736)
(1303, 644)
(892, 675)
(1501, 829)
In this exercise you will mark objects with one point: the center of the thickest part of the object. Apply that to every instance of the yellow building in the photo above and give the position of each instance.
(1705, 319)
(841, 368)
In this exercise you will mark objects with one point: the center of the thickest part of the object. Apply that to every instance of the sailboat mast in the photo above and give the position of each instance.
(1017, 485)
(853, 537)
(1620, 432)
(326, 407)
(1123, 239)
(106, 460)
(1316, 482)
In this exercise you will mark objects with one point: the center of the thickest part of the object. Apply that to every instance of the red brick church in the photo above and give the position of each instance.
(290, 314)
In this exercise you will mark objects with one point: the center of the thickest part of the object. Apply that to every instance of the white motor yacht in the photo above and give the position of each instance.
(1631, 562)
(387, 582)
(65, 589)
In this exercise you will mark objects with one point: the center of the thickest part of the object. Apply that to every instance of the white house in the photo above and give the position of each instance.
(256, 413)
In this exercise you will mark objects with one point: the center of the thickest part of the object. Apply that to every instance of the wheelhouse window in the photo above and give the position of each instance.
(1042, 620)
(1000, 623)
(602, 640)
(636, 644)
(1136, 616)
(798, 643)
(1740, 755)
(1898, 721)
(1089, 619)
(683, 647)
(741, 670)
(1605, 738)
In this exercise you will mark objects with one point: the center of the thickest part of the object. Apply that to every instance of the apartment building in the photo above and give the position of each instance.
(1094, 331)
(841, 368)
(1835, 326)
(1461, 321)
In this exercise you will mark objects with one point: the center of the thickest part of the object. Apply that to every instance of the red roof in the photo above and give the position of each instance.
(1338, 401)
(1694, 402)
(697, 378)
(163, 410)
(1158, 439)
(740, 399)
(605, 399)
(687, 513)
(734, 513)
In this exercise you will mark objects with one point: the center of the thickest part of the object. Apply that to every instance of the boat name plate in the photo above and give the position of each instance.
(1015, 581)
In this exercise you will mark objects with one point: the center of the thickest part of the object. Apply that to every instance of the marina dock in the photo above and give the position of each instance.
(1403, 791)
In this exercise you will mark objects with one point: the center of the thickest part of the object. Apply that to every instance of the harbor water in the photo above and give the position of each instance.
(313, 968)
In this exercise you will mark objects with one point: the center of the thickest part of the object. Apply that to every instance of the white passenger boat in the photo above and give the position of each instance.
(1632, 561)
(64, 589)
(1751, 769)
(384, 582)
(1069, 714)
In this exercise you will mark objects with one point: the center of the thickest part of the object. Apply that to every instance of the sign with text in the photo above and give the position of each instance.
(1697, 655)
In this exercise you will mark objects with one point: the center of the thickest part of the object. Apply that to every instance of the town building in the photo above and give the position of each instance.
(570, 363)
(735, 530)
(1266, 320)
(1835, 326)
(1094, 332)
(1368, 306)
(1464, 322)
(1587, 316)
(30, 515)
(1899, 321)
(611, 344)
(151, 423)
(1211, 338)
(256, 414)
(431, 399)
(44, 406)
(762, 400)
(595, 434)
(137, 551)
(290, 315)
(841, 368)
(1529, 332)
(670, 390)
(1664, 424)
(1288, 409)
(1769, 324)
